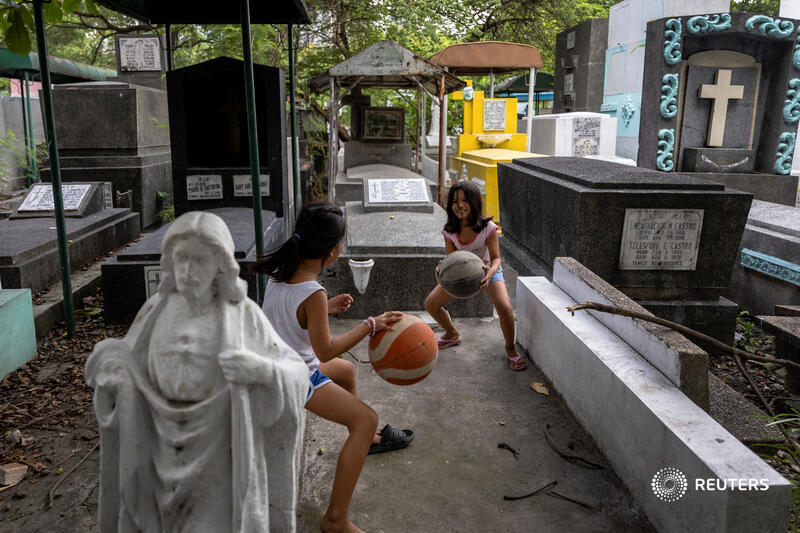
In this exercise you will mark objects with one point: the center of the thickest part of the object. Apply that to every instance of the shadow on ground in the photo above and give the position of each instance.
(453, 476)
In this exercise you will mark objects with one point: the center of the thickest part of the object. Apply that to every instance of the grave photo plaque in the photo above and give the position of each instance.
(494, 115)
(660, 239)
(139, 54)
(383, 124)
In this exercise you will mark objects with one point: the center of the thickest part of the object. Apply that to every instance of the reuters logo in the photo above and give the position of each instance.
(669, 484)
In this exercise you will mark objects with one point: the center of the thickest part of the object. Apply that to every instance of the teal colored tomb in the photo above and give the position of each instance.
(17, 333)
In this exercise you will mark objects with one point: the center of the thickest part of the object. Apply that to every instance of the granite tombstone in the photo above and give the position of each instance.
(210, 154)
(208, 130)
(398, 227)
(580, 64)
(117, 132)
(625, 60)
(721, 101)
(668, 241)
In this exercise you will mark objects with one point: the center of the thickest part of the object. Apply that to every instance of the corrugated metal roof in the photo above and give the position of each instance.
(61, 70)
(386, 64)
(210, 11)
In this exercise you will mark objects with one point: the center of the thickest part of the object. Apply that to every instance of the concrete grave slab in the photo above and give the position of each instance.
(681, 361)
(406, 247)
(643, 422)
(350, 184)
(29, 248)
(133, 275)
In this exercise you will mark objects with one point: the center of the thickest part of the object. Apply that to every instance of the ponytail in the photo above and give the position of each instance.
(282, 263)
(319, 228)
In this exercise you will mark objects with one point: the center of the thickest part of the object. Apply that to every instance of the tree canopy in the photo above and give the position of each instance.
(82, 30)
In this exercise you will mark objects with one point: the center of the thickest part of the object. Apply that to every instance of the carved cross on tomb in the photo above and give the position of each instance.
(720, 92)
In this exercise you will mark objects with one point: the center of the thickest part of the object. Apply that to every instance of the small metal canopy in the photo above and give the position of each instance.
(486, 57)
(210, 11)
(387, 65)
(483, 58)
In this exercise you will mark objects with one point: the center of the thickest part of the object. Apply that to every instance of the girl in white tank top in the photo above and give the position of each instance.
(298, 308)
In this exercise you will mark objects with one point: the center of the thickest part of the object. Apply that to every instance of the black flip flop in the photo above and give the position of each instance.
(392, 439)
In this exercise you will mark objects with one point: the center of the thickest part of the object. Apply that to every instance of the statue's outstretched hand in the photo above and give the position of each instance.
(246, 367)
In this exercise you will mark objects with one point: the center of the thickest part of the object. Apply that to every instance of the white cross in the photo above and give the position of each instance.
(721, 93)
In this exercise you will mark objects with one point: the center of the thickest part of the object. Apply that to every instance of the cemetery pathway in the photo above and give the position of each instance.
(453, 476)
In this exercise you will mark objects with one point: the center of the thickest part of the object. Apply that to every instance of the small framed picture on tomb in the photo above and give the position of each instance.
(383, 124)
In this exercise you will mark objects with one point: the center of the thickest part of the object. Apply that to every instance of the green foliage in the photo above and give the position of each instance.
(763, 7)
(166, 213)
(12, 157)
(17, 22)
(745, 333)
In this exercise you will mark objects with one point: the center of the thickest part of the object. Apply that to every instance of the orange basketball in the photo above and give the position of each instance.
(406, 354)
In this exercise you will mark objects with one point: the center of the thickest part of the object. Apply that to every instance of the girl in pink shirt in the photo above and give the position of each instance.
(467, 229)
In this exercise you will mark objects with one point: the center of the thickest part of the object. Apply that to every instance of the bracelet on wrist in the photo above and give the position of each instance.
(372, 325)
(370, 322)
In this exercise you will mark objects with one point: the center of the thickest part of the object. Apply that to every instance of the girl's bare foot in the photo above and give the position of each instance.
(329, 526)
(450, 335)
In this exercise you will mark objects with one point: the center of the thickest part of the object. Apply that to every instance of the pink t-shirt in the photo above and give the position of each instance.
(477, 245)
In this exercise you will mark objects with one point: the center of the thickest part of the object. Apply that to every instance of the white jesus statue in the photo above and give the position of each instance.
(200, 406)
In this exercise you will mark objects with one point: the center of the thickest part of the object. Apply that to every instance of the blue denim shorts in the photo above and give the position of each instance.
(317, 379)
(498, 276)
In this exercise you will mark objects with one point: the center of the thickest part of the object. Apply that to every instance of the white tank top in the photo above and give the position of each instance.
(281, 301)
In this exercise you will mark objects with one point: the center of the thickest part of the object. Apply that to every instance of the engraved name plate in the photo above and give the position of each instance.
(398, 191)
(243, 185)
(139, 54)
(40, 197)
(660, 239)
(204, 187)
(494, 115)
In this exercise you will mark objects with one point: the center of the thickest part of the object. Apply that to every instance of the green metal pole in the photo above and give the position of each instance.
(252, 131)
(25, 135)
(55, 169)
(293, 113)
(34, 164)
(168, 37)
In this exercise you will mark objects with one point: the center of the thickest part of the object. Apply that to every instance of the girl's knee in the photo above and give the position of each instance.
(504, 310)
(365, 420)
(430, 305)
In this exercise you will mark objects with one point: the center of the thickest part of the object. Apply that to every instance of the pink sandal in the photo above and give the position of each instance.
(447, 343)
(517, 363)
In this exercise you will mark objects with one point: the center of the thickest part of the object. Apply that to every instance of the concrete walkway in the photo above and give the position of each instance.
(453, 476)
